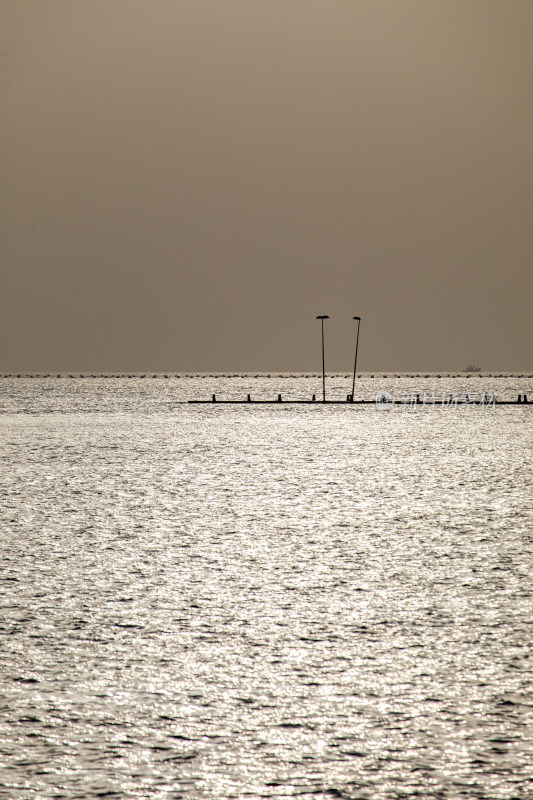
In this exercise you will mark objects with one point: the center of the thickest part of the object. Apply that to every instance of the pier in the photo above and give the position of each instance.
(412, 403)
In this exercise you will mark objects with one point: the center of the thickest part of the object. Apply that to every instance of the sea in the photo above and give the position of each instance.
(265, 600)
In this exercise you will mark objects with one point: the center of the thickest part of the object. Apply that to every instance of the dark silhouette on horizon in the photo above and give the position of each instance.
(322, 317)
(356, 347)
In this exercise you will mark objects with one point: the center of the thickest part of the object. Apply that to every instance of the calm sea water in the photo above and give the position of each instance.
(266, 601)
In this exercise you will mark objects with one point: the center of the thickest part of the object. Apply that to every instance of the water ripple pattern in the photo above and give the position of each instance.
(262, 602)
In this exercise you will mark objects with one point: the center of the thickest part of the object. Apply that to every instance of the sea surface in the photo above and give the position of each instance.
(264, 601)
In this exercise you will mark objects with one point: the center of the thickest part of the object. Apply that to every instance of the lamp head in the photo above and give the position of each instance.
(323, 316)
(359, 318)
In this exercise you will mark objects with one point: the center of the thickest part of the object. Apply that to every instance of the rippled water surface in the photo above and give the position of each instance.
(264, 601)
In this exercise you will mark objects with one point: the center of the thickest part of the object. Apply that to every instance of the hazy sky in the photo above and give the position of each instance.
(186, 184)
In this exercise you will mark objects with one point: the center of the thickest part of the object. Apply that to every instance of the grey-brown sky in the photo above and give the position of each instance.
(186, 184)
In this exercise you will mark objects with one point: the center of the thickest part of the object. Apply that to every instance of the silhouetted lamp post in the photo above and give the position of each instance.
(322, 318)
(355, 362)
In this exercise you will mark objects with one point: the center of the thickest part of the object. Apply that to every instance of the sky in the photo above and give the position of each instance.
(186, 184)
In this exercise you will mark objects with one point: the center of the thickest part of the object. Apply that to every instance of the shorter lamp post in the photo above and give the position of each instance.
(322, 318)
(355, 362)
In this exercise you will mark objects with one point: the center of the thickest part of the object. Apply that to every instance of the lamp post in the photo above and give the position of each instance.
(322, 318)
(355, 362)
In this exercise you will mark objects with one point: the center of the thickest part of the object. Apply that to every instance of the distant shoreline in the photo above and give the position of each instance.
(257, 375)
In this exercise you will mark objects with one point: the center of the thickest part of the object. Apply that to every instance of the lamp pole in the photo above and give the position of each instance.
(355, 362)
(322, 318)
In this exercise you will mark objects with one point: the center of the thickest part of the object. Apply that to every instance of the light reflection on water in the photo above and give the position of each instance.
(264, 602)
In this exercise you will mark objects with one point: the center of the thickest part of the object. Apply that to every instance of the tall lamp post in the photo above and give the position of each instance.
(322, 318)
(355, 362)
